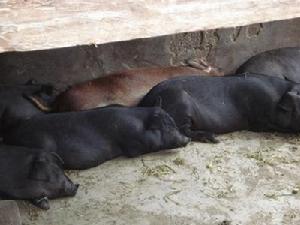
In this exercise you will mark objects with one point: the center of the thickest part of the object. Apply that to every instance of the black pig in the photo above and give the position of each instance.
(87, 138)
(28, 175)
(225, 104)
(282, 62)
(14, 107)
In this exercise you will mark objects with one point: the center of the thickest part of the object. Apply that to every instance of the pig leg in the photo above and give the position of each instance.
(43, 100)
(203, 136)
(198, 135)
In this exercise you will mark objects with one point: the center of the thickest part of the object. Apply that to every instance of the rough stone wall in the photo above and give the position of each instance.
(227, 48)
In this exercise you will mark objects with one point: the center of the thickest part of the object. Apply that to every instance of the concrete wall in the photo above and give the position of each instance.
(27, 25)
(227, 48)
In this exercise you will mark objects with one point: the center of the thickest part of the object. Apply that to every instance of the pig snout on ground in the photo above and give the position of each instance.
(40, 174)
(171, 137)
(182, 108)
(181, 142)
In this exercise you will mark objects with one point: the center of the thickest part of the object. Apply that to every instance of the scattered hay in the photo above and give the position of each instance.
(260, 157)
(179, 161)
(272, 156)
(158, 171)
(271, 195)
(214, 163)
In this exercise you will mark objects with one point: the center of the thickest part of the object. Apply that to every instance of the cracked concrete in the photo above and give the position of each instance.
(249, 178)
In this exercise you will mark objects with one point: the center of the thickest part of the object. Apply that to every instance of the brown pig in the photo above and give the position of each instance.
(126, 88)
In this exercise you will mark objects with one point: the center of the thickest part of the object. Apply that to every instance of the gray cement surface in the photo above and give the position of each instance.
(248, 178)
(9, 213)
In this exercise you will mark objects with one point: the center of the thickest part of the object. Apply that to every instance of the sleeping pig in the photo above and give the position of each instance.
(14, 107)
(31, 174)
(282, 62)
(125, 87)
(231, 103)
(87, 138)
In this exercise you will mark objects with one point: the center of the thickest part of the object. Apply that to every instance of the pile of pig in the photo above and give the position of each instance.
(136, 112)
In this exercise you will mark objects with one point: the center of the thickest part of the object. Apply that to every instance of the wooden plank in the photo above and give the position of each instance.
(43, 24)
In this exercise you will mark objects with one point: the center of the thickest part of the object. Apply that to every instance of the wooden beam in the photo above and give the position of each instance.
(44, 24)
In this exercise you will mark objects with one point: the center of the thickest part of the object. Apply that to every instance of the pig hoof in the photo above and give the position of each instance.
(42, 203)
(208, 139)
(215, 141)
(211, 138)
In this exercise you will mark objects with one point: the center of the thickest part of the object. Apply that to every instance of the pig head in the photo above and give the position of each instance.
(33, 176)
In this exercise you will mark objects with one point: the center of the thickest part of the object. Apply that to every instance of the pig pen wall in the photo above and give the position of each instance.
(226, 48)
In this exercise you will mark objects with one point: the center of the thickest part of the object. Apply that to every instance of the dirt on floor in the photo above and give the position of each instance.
(248, 178)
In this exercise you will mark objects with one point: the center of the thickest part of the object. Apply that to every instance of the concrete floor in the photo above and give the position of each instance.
(248, 178)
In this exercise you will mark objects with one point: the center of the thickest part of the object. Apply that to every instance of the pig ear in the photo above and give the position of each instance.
(158, 102)
(290, 102)
(38, 171)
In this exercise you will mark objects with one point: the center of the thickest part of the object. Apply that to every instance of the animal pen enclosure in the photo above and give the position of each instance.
(248, 178)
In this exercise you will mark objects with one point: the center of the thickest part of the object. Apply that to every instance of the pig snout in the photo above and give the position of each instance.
(179, 140)
(186, 140)
(183, 141)
(71, 189)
